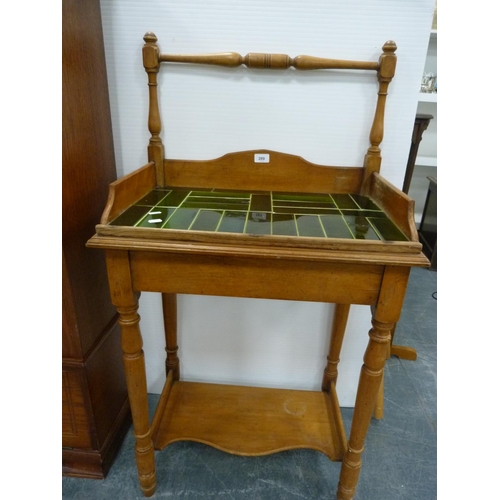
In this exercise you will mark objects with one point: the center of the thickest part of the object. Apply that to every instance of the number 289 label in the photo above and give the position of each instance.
(261, 158)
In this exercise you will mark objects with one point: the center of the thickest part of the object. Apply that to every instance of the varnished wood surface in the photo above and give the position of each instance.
(398, 205)
(88, 167)
(255, 278)
(268, 61)
(95, 411)
(284, 172)
(256, 421)
(346, 253)
(127, 190)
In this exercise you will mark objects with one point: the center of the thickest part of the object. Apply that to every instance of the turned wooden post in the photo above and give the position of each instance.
(169, 302)
(151, 61)
(385, 73)
(126, 302)
(337, 336)
(386, 314)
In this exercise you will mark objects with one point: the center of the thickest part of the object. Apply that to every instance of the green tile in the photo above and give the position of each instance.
(344, 201)
(192, 203)
(207, 220)
(284, 225)
(156, 217)
(261, 203)
(315, 198)
(306, 211)
(303, 204)
(181, 218)
(387, 229)
(361, 228)
(216, 199)
(309, 225)
(232, 222)
(258, 223)
(153, 197)
(335, 226)
(174, 199)
(236, 193)
(221, 194)
(131, 216)
(365, 202)
(365, 213)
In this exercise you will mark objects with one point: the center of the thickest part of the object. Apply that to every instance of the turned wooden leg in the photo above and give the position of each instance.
(386, 314)
(169, 302)
(379, 405)
(126, 302)
(337, 336)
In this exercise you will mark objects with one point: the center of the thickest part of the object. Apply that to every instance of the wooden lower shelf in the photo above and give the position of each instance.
(248, 420)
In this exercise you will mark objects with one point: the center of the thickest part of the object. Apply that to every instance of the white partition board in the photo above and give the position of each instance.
(325, 117)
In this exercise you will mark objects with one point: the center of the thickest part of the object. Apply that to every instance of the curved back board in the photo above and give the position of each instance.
(280, 172)
(170, 171)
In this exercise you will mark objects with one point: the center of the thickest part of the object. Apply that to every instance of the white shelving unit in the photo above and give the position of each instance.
(426, 163)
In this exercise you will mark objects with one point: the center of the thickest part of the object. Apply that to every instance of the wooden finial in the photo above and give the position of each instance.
(387, 62)
(390, 46)
(150, 37)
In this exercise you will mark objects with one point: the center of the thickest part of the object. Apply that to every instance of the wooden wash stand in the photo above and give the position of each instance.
(285, 229)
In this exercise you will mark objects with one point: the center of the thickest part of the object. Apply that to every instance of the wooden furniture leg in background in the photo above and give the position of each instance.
(338, 330)
(386, 314)
(403, 352)
(420, 126)
(339, 325)
(169, 303)
(126, 302)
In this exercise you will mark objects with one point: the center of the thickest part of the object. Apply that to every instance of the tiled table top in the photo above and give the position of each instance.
(263, 213)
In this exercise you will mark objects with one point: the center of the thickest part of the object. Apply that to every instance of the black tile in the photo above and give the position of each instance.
(232, 222)
(131, 216)
(344, 201)
(309, 225)
(284, 225)
(335, 226)
(361, 228)
(181, 218)
(258, 223)
(387, 229)
(365, 202)
(156, 217)
(153, 197)
(207, 220)
(260, 203)
(174, 199)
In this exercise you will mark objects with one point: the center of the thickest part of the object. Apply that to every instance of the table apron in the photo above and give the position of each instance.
(256, 277)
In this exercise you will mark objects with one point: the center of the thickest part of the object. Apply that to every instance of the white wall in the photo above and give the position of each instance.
(322, 116)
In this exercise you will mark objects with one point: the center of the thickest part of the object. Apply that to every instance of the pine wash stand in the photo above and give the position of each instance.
(285, 229)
